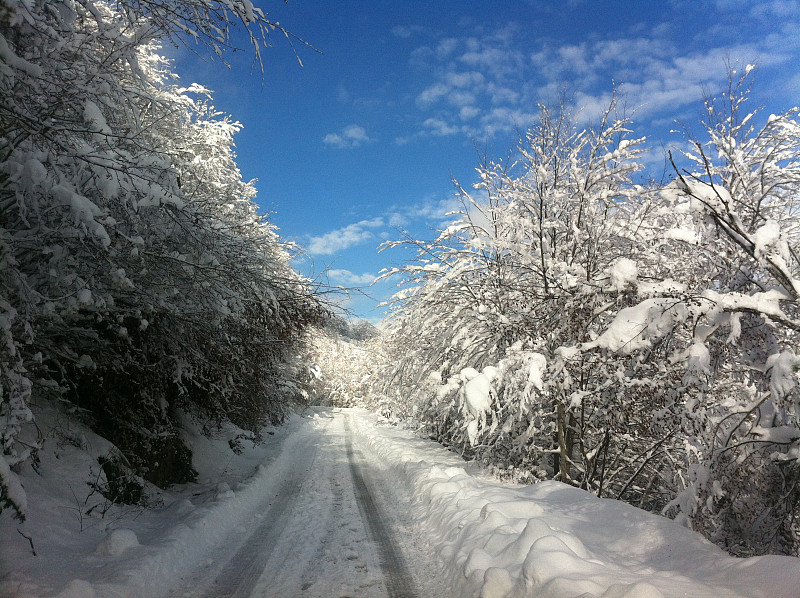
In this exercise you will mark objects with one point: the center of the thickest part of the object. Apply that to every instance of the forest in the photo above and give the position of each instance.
(576, 321)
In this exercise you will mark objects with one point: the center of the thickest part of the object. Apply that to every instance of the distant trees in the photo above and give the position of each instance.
(137, 277)
(344, 355)
(631, 339)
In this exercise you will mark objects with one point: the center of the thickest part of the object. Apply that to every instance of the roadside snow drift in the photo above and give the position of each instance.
(88, 548)
(553, 540)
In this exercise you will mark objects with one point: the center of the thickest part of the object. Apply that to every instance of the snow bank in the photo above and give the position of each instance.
(128, 553)
(553, 540)
(117, 542)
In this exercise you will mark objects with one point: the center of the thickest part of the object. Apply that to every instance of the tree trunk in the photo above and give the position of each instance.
(564, 444)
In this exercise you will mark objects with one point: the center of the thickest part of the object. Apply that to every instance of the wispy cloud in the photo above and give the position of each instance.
(404, 32)
(343, 238)
(346, 277)
(773, 8)
(350, 136)
(432, 210)
(492, 80)
(432, 94)
(439, 127)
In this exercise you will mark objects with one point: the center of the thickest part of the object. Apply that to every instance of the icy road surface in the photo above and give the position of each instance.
(328, 527)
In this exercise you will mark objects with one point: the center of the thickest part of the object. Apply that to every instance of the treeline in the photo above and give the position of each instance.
(137, 276)
(630, 338)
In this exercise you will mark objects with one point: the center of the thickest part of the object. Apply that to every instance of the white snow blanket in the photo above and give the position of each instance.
(492, 539)
(551, 540)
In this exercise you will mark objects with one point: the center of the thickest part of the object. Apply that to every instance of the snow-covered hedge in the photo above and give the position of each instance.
(633, 340)
(137, 276)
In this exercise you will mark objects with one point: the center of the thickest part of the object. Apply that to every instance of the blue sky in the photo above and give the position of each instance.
(362, 141)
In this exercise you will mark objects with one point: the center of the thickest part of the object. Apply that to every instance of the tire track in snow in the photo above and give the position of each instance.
(395, 572)
(246, 559)
(241, 574)
(319, 532)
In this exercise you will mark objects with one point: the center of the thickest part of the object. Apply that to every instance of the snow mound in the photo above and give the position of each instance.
(150, 550)
(224, 491)
(551, 540)
(116, 542)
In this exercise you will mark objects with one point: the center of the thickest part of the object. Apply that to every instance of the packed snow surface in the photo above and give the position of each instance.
(316, 509)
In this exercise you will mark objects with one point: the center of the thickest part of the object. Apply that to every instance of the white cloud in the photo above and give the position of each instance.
(623, 51)
(464, 79)
(346, 277)
(792, 87)
(461, 98)
(502, 95)
(651, 76)
(590, 108)
(589, 61)
(343, 238)
(350, 136)
(492, 81)
(574, 58)
(404, 139)
(503, 118)
(472, 74)
(775, 8)
(458, 87)
(432, 94)
(432, 209)
(401, 31)
(342, 94)
(498, 61)
(397, 219)
(404, 32)
(421, 57)
(439, 127)
(468, 112)
(446, 47)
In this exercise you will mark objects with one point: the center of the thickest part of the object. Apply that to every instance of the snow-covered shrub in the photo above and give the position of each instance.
(635, 341)
(137, 277)
(487, 328)
(739, 198)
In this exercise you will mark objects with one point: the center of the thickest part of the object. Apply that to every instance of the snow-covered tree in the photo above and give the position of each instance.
(494, 307)
(138, 277)
(635, 341)
(736, 205)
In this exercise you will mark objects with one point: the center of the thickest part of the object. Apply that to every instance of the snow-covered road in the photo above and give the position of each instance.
(311, 512)
(323, 529)
(338, 504)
